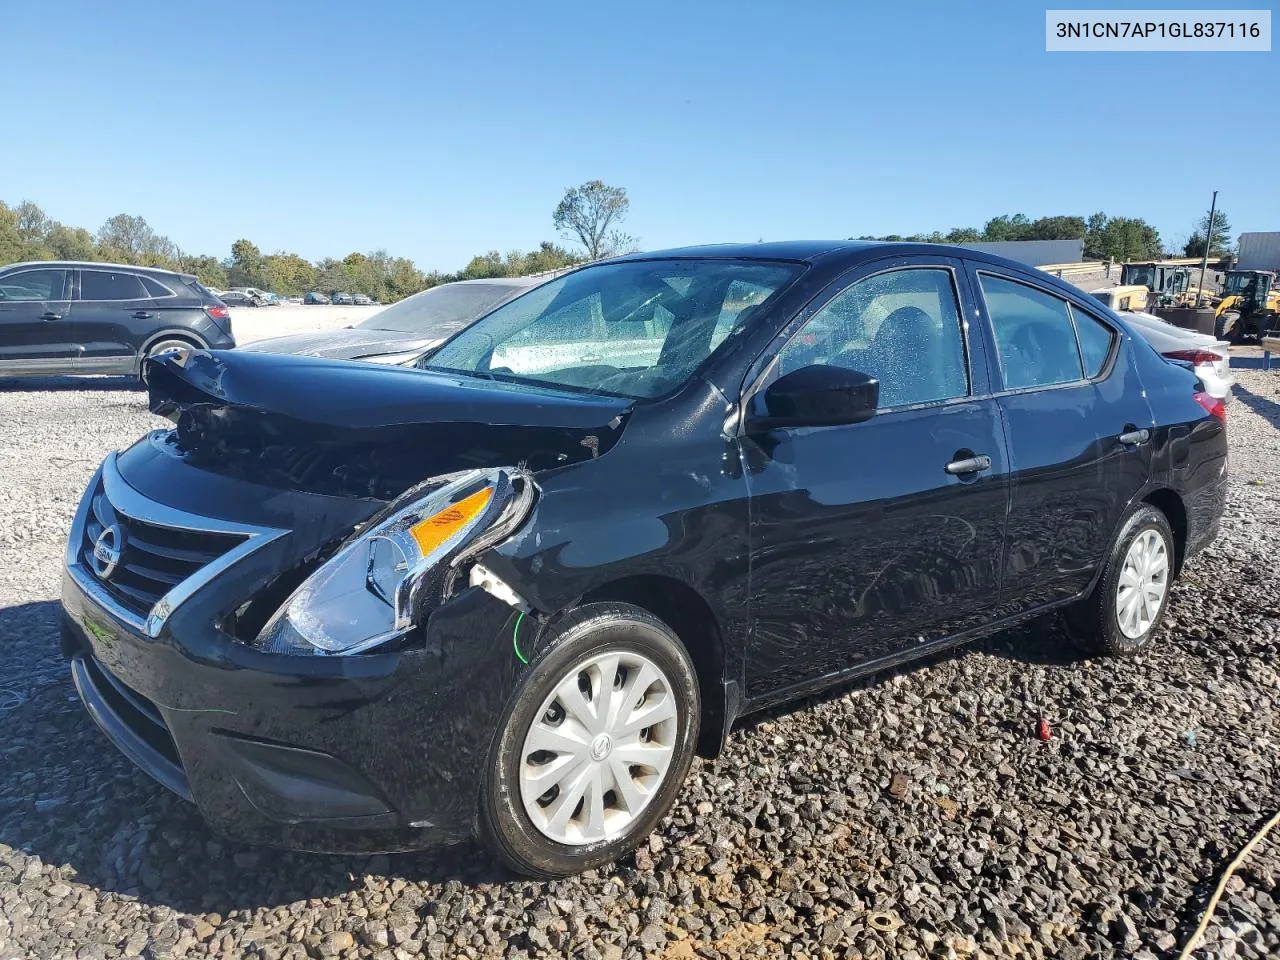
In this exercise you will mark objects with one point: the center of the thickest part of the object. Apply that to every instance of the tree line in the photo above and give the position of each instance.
(588, 216)
(27, 233)
(1105, 238)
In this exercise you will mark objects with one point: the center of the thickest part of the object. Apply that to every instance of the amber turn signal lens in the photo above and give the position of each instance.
(439, 527)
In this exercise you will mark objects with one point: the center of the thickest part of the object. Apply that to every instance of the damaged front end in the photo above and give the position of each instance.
(453, 464)
(342, 428)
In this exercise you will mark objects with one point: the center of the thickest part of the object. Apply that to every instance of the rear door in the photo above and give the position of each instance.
(113, 316)
(865, 545)
(36, 335)
(1079, 433)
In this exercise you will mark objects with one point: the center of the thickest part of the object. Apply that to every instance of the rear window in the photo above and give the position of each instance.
(156, 288)
(444, 310)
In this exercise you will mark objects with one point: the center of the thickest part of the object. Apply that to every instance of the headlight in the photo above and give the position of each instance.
(394, 358)
(370, 591)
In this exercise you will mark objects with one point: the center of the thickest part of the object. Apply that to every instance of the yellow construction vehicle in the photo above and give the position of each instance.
(1131, 297)
(1169, 283)
(1250, 305)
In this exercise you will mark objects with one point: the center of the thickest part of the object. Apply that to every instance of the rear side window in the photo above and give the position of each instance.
(107, 285)
(1034, 335)
(1095, 341)
(156, 289)
(30, 285)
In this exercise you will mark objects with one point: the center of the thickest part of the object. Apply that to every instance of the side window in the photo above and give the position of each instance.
(33, 285)
(106, 285)
(1095, 341)
(1034, 335)
(901, 327)
(156, 289)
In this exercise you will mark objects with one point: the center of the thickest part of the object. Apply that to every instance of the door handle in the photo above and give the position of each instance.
(1131, 438)
(969, 465)
(142, 315)
(50, 315)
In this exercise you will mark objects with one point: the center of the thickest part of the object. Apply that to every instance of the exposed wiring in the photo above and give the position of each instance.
(515, 637)
(1222, 885)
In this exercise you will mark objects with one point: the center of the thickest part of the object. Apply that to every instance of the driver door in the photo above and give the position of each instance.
(865, 546)
(36, 334)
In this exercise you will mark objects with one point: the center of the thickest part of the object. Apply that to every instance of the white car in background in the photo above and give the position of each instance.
(1210, 356)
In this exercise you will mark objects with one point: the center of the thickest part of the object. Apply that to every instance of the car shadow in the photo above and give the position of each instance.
(1264, 407)
(71, 799)
(51, 383)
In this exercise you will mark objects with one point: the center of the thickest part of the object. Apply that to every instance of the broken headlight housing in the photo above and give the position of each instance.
(371, 591)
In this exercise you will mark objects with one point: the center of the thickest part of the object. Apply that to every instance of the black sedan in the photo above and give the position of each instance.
(406, 329)
(515, 591)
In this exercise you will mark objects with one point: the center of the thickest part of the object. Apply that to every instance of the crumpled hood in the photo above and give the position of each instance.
(351, 344)
(337, 427)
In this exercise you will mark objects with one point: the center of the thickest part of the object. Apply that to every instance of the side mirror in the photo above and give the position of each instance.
(816, 396)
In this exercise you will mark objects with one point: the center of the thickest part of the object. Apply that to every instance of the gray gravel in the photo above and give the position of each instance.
(914, 815)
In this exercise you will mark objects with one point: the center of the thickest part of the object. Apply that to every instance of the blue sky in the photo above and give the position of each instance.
(439, 130)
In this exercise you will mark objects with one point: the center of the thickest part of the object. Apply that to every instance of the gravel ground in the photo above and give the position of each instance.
(913, 815)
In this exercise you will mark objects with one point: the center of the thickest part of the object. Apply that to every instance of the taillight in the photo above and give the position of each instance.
(1196, 357)
(218, 312)
(1215, 407)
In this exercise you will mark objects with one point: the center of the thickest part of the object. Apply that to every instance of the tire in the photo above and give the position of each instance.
(585, 643)
(1102, 623)
(160, 346)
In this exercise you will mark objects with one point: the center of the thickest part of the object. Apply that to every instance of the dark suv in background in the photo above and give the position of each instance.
(89, 318)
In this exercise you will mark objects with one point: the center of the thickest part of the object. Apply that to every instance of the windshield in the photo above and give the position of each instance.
(442, 311)
(1237, 282)
(637, 328)
(1143, 275)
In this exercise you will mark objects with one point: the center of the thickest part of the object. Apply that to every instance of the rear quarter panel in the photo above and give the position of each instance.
(1189, 445)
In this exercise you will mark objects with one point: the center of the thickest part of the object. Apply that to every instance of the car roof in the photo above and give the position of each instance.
(501, 281)
(94, 264)
(813, 251)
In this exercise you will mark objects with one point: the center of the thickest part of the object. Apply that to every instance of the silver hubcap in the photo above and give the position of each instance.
(1144, 581)
(599, 749)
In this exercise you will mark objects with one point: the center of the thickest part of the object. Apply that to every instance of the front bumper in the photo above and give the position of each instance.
(374, 752)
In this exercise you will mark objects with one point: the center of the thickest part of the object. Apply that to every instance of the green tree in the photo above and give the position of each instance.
(1006, 227)
(591, 214)
(963, 235)
(11, 245)
(70, 243)
(1221, 244)
(1057, 228)
(1122, 238)
(130, 239)
(246, 268)
(206, 269)
(287, 273)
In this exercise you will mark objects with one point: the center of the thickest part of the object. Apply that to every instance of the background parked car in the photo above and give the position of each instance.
(343, 299)
(407, 329)
(360, 300)
(314, 297)
(65, 317)
(238, 298)
(1209, 356)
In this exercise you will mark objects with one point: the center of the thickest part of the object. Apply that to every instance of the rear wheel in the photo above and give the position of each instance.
(595, 743)
(1128, 602)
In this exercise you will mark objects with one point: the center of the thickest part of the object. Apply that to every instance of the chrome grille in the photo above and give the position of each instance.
(154, 558)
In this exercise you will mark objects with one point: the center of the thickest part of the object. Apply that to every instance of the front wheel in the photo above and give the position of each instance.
(1128, 602)
(594, 745)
